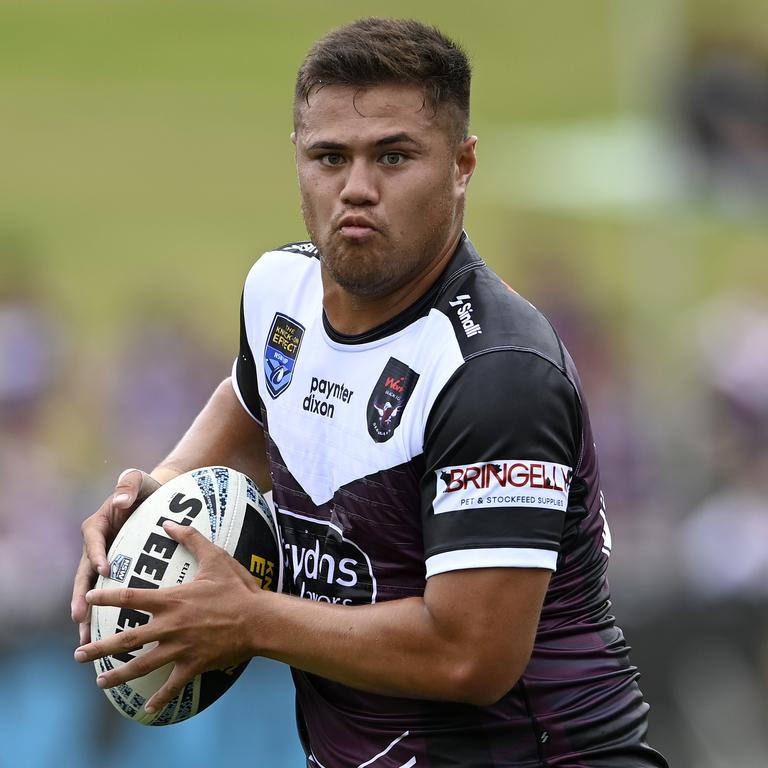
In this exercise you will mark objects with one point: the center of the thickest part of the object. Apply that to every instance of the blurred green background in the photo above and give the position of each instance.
(145, 163)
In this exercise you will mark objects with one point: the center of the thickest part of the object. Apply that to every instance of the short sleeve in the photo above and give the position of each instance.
(244, 377)
(501, 444)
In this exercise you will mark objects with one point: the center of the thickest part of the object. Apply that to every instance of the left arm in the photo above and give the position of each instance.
(467, 639)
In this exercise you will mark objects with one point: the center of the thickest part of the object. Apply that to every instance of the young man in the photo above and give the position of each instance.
(424, 435)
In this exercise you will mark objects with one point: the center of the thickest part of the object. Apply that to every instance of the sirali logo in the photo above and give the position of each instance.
(389, 398)
(534, 475)
(464, 313)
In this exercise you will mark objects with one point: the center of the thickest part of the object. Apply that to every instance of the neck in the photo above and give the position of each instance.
(351, 314)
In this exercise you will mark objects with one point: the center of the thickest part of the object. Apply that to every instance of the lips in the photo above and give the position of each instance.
(356, 226)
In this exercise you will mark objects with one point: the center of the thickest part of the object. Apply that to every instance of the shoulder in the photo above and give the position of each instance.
(486, 315)
(283, 265)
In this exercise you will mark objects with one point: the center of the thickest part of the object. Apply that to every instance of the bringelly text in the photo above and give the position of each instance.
(531, 475)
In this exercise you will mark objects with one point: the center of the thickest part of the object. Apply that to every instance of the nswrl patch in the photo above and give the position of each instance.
(280, 353)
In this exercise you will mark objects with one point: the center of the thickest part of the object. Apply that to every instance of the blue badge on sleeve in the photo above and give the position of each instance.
(280, 353)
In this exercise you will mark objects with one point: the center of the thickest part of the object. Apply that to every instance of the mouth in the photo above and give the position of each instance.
(356, 227)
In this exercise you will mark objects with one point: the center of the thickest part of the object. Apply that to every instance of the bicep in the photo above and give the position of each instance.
(492, 614)
(224, 433)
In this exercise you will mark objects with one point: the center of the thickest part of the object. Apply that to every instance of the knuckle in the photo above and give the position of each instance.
(129, 640)
(125, 595)
(142, 665)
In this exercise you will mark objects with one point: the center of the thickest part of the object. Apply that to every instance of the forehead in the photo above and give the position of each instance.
(339, 111)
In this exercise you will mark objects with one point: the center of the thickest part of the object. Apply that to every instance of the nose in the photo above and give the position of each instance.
(360, 184)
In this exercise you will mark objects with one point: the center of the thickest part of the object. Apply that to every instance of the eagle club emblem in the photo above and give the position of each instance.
(389, 398)
(280, 353)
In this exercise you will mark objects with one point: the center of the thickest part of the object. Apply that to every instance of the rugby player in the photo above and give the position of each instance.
(430, 455)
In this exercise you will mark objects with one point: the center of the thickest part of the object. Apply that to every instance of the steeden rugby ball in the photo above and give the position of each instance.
(225, 506)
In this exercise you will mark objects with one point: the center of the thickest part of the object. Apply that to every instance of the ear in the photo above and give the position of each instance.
(293, 138)
(466, 160)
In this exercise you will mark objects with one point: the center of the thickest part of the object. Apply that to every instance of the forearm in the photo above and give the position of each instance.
(222, 433)
(414, 647)
(391, 648)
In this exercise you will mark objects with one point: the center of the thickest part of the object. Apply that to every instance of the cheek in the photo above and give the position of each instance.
(316, 193)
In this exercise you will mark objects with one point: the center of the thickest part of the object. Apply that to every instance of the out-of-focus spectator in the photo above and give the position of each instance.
(723, 112)
(725, 539)
(38, 541)
(723, 545)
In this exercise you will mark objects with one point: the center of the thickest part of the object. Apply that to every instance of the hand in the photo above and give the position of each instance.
(99, 530)
(203, 625)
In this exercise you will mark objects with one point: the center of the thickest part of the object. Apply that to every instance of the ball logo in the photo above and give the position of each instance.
(280, 352)
(118, 568)
(389, 398)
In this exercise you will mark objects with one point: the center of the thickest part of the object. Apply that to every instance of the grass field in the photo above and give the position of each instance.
(145, 154)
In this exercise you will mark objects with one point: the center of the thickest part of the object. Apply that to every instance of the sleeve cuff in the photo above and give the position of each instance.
(497, 557)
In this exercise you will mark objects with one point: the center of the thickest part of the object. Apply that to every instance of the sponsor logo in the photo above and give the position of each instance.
(263, 570)
(322, 564)
(464, 313)
(280, 352)
(503, 483)
(389, 398)
(304, 247)
(118, 568)
(320, 392)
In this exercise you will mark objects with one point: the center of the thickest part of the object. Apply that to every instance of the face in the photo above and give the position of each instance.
(382, 185)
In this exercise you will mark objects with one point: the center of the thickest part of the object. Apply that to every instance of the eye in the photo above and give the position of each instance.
(331, 160)
(393, 158)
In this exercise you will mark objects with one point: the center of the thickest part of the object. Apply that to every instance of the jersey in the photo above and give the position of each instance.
(454, 436)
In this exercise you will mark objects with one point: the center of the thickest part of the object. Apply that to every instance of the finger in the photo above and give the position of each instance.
(147, 600)
(138, 667)
(94, 530)
(84, 631)
(192, 539)
(127, 641)
(121, 643)
(132, 487)
(170, 689)
(85, 578)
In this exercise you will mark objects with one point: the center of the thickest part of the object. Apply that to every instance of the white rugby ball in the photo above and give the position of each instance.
(227, 508)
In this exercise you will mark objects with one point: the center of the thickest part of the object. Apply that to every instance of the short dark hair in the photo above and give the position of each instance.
(376, 51)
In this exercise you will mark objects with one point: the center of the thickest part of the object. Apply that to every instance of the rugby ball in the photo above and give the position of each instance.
(227, 507)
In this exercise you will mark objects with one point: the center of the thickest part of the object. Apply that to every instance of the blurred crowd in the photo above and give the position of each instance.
(690, 565)
(67, 428)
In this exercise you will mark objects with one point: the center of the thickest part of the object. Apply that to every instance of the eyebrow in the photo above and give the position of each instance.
(385, 141)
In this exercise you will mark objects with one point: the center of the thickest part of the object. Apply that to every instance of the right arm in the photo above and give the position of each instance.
(223, 433)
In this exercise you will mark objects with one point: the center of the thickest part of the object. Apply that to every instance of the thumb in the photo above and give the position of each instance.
(133, 485)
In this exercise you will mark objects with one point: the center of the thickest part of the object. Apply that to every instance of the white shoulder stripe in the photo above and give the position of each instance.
(497, 557)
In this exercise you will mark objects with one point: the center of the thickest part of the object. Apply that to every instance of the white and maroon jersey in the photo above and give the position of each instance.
(454, 436)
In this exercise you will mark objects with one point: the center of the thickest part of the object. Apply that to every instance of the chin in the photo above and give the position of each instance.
(358, 281)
